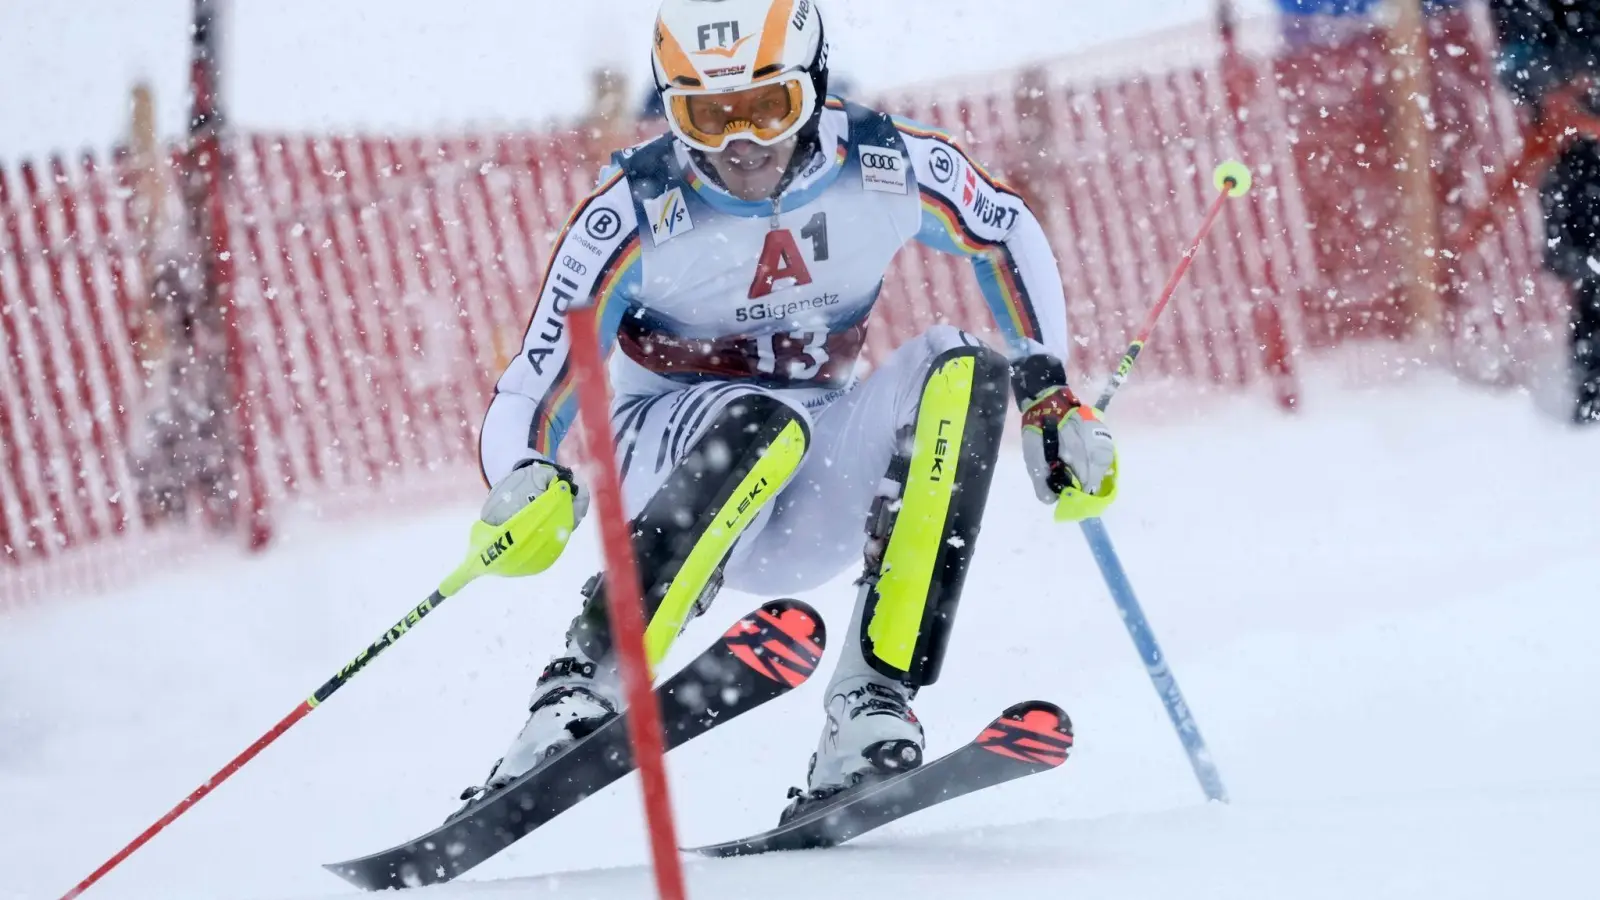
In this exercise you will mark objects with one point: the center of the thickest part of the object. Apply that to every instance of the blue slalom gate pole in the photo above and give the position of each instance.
(1155, 662)
(1232, 179)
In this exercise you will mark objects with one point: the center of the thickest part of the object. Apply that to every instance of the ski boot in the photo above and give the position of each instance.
(871, 734)
(572, 698)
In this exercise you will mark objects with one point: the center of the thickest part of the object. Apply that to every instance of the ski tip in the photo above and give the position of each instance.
(783, 641)
(352, 875)
(1035, 732)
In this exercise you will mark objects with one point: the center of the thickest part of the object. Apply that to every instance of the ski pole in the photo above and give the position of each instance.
(513, 549)
(1232, 179)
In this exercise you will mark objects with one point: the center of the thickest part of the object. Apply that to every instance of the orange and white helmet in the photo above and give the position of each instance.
(740, 69)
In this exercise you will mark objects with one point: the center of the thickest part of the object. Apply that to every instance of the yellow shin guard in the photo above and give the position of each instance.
(689, 526)
(913, 591)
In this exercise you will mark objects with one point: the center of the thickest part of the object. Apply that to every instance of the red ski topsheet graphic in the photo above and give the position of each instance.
(1031, 733)
(779, 641)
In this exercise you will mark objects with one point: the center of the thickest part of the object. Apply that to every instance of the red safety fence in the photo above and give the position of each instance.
(381, 284)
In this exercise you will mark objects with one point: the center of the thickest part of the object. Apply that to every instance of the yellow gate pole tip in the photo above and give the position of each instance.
(1237, 173)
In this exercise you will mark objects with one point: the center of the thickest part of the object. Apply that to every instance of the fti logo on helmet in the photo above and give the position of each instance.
(728, 40)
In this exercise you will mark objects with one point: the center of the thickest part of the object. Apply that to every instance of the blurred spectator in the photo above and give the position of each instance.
(180, 446)
(181, 449)
(1327, 22)
(609, 123)
(1549, 54)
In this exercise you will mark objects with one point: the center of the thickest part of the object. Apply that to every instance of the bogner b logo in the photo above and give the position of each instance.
(500, 546)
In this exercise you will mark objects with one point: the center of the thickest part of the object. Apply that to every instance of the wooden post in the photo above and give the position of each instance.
(149, 207)
(608, 127)
(1411, 104)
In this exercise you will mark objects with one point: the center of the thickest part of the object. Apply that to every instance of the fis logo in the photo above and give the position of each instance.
(668, 215)
(497, 549)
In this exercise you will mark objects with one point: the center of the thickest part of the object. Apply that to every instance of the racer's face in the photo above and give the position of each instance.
(751, 171)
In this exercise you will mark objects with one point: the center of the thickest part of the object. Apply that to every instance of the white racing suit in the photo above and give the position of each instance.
(734, 329)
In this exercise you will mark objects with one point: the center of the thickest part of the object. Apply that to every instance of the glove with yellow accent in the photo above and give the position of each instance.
(1066, 445)
(527, 481)
(528, 517)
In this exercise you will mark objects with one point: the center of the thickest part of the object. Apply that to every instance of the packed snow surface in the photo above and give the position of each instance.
(1383, 611)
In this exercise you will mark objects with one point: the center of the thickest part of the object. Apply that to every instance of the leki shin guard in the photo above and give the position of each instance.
(922, 539)
(686, 530)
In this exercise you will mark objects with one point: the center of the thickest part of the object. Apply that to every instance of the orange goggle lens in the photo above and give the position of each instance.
(766, 111)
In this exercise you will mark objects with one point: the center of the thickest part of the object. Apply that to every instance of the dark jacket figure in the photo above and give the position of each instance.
(1546, 47)
(182, 452)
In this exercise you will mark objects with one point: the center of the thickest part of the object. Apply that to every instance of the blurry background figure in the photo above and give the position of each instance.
(179, 447)
(1325, 22)
(610, 124)
(1331, 22)
(1549, 50)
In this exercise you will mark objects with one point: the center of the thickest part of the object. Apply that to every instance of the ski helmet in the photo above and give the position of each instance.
(753, 70)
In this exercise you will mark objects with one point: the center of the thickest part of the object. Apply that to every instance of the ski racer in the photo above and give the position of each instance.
(733, 263)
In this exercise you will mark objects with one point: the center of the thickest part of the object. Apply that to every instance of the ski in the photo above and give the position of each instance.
(763, 656)
(1026, 739)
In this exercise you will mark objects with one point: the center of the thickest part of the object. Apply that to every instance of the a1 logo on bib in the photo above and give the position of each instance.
(668, 215)
(884, 170)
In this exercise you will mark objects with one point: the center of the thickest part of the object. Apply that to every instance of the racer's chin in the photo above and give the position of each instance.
(751, 171)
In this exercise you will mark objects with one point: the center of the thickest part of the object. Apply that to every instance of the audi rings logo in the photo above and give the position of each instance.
(883, 162)
(602, 223)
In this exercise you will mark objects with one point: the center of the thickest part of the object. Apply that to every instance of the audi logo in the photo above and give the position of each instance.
(883, 161)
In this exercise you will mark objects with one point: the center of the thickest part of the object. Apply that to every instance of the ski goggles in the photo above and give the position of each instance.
(767, 113)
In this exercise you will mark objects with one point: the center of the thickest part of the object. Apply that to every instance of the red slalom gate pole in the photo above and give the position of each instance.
(623, 603)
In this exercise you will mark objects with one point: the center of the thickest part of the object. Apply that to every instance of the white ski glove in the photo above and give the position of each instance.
(529, 479)
(1065, 444)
